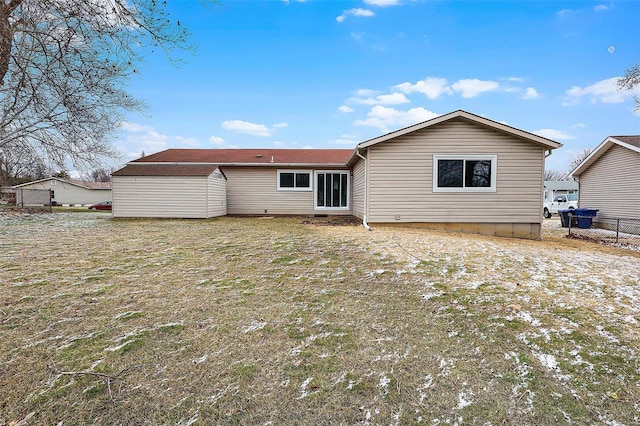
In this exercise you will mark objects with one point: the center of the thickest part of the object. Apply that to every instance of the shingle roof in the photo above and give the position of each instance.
(263, 156)
(631, 140)
(165, 170)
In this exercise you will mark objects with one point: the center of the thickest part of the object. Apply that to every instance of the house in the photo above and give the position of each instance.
(458, 171)
(609, 178)
(559, 187)
(202, 183)
(71, 192)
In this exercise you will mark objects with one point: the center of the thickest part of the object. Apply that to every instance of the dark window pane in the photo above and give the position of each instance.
(336, 190)
(286, 180)
(302, 180)
(478, 174)
(343, 193)
(450, 173)
(320, 190)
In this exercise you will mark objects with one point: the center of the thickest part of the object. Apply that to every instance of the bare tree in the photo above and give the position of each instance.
(99, 175)
(579, 158)
(554, 174)
(631, 81)
(64, 65)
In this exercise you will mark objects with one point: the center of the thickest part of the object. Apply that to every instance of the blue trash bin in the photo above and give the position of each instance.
(567, 218)
(585, 217)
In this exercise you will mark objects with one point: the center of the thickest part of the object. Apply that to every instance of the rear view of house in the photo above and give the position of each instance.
(456, 172)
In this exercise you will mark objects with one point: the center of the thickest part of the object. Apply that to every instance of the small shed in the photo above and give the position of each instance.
(169, 191)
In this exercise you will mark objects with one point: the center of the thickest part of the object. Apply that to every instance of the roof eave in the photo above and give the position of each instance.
(598, 152)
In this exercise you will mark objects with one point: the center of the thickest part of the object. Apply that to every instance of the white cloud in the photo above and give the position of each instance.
(385, 118)
(216, 140)
(604, 91)
(516, 79)
(136, 138)
(472, 87)
(431, 87)
(187, 141)
(390, 99)
(252, 128)
(564, 12)
(359, 37)
(345, 109)
(278, 143)
(579, 125)
(530, 93)
(601, 8)
(382, 3)
(354, 12)
(557, 135)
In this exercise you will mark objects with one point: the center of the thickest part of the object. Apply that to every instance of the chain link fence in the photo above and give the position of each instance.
(618, 232)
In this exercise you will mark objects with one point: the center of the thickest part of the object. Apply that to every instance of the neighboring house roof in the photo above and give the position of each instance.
(561, 185)
(521, 134)
(631, 142)
(76, 182)
(244, 157)
(166, 170)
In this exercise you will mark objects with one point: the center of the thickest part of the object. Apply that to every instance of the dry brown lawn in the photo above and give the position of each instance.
(276, 321)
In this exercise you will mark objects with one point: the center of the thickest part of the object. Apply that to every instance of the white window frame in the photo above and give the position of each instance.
(494, 172)
(308, 172)
(315, 190)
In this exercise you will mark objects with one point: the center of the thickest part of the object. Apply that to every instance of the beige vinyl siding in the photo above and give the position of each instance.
(254, 191)
(358, 189)
(68, 194)
(217, 196)
(400, 177)
(612, 184)
(160, 196)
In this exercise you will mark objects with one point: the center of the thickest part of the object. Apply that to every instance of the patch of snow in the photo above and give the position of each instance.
(464, 399)
(548, 361)
(303, 389)
(384, 384)
(254, 326)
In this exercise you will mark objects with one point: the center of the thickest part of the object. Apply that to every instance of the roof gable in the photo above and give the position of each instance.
(547, 143)
(631, 142)
(74, 182)
(258, 156)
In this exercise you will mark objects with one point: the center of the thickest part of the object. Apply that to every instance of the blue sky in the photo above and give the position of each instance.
(330, 74)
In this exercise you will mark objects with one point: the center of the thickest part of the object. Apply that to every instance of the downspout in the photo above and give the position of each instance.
(366, 192)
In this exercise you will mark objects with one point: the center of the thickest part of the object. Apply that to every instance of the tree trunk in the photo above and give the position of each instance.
(5, 42)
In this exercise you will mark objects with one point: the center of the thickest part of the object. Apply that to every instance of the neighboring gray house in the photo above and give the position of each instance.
(559, 187)
(458, 171)
(71, 192)
(609, 178)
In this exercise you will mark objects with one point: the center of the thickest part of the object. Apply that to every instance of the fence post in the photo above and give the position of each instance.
(570, 216)
(617, 229)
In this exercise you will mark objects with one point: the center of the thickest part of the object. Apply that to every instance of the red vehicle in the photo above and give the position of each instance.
(105, 205)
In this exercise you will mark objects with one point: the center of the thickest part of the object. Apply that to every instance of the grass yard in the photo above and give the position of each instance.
(273, 321)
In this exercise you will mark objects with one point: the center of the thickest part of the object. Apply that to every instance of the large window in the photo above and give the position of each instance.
(468, 173)
(294, 180)
(332, 190)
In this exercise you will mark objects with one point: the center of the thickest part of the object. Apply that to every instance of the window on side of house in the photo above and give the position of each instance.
(464, 173)
(294, 180)
(332, 190)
